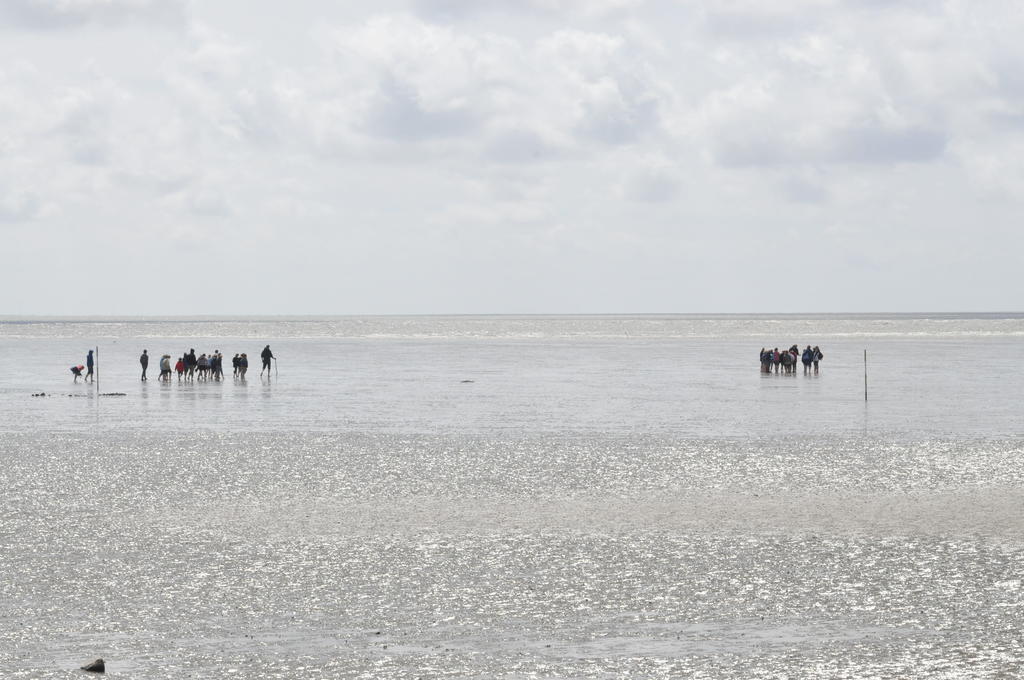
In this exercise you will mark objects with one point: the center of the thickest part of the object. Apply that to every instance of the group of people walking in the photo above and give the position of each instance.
(189, 367)
(205, 367)
(773, 359)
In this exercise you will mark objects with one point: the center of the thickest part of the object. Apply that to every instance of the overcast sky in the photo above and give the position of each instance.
(519, 156)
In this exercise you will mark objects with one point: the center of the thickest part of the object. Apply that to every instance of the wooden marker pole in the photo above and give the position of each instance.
(97, 376)
(865, 375)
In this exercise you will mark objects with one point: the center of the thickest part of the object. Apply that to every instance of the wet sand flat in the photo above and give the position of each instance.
(590, 506)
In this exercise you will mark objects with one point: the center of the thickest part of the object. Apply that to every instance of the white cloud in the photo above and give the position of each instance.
(552, 139)
(518, 145)
(654, 181)
(447, 10)
(53, 14)
(399, 79)
(18, 205)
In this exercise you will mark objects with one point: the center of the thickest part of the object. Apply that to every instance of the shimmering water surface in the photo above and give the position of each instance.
(499, 497)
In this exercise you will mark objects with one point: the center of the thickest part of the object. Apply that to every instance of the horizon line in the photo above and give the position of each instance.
(6, 318)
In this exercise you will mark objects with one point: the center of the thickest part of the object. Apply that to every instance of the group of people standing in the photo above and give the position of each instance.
(205, 367)
(787, 359)
(189, 367)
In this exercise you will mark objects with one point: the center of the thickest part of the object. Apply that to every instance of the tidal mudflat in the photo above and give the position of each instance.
(517, 497)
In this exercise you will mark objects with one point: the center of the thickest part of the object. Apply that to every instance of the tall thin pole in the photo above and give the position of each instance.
(865, 375)
(96, 381)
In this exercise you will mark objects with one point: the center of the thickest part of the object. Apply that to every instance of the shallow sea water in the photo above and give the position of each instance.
(608, 497)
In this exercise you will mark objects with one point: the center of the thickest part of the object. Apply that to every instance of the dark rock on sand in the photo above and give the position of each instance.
(96, 666)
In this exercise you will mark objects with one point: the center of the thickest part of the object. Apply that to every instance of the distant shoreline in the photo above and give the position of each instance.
(212, 318)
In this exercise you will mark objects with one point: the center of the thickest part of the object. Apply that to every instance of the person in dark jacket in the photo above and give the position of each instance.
(266, 355)
(217, 365)
(144, 360)
(807, 357)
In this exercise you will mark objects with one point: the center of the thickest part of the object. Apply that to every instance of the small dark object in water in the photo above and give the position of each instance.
(114, 394)
(467, 381)
(41, 394)
(96, 666)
